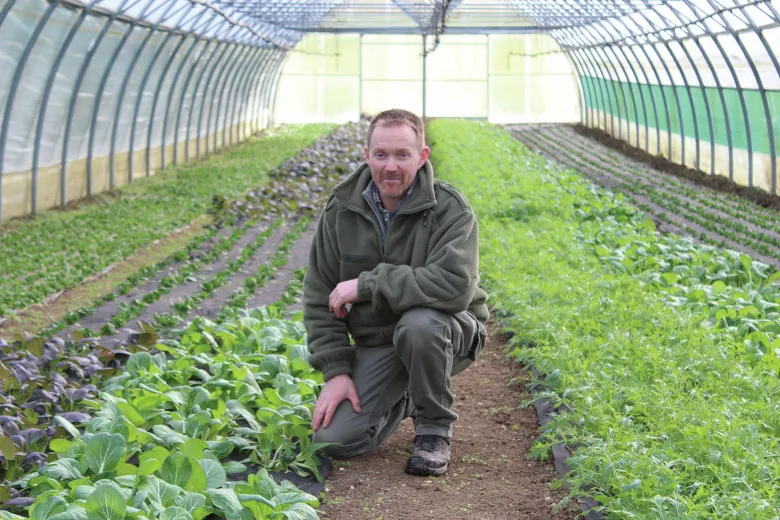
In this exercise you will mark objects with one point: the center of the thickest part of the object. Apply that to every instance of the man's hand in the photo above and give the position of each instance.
(344, 293)
(336, 390)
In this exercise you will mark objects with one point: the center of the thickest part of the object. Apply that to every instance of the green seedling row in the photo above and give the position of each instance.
(730, 204)
(678, 207)
(188, 430)
(663, 352)
(59, 249)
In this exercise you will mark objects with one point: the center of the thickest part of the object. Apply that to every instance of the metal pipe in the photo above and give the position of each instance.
(45, 98)
(587, 94)
(668, 72)
(638, 82)
(9, 103)
(229, 65)
(152, 114)
(230, 82)
(740, 93)
(237, 111)
(225, 47)
(259, 92)
(205, 25)
(617, 83)
(649, 86)
(249, 120)
(172, 92)
(720, 92)
(97, 105)
(601, 57)
(762, 89)
(121, 95)
(424, 74)
(265, 98)
(579, 85)
(224, 64)
(6, 9)
(139, 99)
(275, 89)
(604, 76)
(360, 77)
(710, 119)
(190, 73)
(94, 46)
(597, 93)
(689, 91)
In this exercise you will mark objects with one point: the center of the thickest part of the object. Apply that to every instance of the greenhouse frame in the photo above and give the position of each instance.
(98, 93)
(389, 259)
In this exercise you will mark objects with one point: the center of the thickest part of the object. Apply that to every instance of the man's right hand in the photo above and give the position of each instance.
(337, 389)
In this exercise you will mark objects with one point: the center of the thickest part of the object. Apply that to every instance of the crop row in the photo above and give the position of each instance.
(680, 209)
(717, 201)
(182, 423)
(58, 249)
(51, 384)
(664, 352)
(177, 274)
(186, 431)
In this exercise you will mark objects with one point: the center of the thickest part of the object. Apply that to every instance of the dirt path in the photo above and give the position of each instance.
(490, 476)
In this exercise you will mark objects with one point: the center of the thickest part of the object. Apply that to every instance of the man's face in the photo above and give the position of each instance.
(394, 156)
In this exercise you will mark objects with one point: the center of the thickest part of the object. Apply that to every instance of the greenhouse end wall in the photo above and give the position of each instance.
(503, 78)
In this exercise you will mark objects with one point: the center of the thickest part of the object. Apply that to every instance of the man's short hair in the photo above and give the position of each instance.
(398, 116)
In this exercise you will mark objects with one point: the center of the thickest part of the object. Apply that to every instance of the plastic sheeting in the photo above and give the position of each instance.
(99, 92)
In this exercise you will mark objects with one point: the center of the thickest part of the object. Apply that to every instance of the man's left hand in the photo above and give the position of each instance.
(344, 293)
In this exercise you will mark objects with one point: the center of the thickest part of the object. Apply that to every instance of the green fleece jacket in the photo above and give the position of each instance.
(429, 258)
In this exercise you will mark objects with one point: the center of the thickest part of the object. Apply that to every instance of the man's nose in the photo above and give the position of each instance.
(390, 165)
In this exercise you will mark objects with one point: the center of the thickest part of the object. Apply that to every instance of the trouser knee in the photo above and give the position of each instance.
(422, 326)
(343, 444)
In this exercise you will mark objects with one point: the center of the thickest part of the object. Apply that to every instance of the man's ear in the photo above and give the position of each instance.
(365, 152)
(424, 154)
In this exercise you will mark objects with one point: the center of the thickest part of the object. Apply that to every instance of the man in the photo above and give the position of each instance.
(395, 265)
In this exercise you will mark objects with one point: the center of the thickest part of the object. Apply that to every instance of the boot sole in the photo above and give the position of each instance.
(426, 472)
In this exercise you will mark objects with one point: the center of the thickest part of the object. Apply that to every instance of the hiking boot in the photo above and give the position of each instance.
(430, 457)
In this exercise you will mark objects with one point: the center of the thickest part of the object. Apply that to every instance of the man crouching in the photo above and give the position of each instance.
(394, 264)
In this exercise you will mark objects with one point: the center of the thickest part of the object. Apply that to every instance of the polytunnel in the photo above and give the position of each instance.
(242, 241)
(98, 93)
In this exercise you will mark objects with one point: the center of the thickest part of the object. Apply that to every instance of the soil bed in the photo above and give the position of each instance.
(715, 182)
(490, 476)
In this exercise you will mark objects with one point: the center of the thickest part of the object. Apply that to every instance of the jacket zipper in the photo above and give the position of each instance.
(372, 219)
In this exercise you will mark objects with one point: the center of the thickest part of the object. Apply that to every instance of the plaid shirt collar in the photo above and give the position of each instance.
(374, 200)
(377, 198)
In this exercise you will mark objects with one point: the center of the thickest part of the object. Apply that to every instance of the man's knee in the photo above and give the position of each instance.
(423, 325)
(344, 441)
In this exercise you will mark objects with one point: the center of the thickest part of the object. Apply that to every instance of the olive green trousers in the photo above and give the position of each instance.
(410, 377)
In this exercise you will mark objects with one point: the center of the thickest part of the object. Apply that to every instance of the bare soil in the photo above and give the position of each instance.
(490, 476)
(31, 320)
(716, 182)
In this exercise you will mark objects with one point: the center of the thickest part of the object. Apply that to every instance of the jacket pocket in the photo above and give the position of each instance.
(355, 259)
(354, 264)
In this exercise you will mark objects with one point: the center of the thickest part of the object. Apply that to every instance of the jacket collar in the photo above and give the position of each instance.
(350, 191)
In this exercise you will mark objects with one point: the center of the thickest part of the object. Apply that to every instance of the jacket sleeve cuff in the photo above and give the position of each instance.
(364, 287)
(332, 370)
